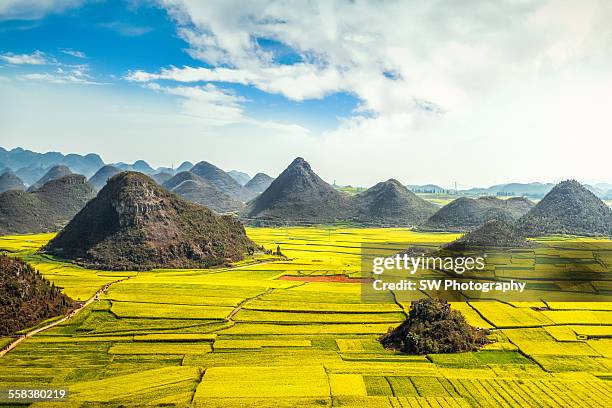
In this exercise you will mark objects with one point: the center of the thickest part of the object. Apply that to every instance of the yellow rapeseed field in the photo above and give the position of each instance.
(245, 336)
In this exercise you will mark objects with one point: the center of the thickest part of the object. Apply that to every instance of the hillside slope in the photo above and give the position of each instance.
(569, 208)
(392, 204)
(134, 224)
(54, 173)
(299, 195)
(45, 210)
(10, 181)
(193, 188)
(26, 297)
(464, 214)
(222, 181)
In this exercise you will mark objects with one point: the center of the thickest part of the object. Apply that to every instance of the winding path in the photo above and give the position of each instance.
(31, 333)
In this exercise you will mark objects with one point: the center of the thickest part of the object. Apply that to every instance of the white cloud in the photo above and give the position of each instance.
(71, 74)
(454, 66)
(212, 106)
(36, 58)
(125, 29)
(74, 53)
(34, 9)
(209, 103)
(444, 52)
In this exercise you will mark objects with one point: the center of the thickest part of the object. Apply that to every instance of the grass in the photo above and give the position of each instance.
(241, 337)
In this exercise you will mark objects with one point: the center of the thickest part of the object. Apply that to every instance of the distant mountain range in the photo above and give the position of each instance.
(31, 166)
(46, 209)
(532, 190)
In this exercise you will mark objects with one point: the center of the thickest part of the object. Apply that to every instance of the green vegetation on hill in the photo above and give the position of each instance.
(299, 195)
(391, 203)
(134, 224)
(26, 298)
(569, 208)
(468, 213)
(54, 173)
(194, 188)
(493, 234)
(10, 181)
(46, 209)
(431, 327)
(222, 181)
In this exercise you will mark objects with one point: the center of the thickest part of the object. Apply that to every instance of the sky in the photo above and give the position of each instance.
(472, 92)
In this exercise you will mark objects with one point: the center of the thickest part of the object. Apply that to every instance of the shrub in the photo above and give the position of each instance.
(432, 327)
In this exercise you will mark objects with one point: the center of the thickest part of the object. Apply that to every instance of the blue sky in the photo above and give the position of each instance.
(425, 92)
(117, 37)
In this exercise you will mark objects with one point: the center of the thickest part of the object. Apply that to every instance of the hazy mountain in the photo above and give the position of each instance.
(139, 165)
(241, 177)
(10, 181)
(185, 166)
(259, 183)
(161, 178)
(46, 209)
(468, 213)
(391, 203)
(30, 174)
(297, 195)
(135, 224)
(99, 179)
(569, 208)
(493, 234)
(54, 173)
(194, 188)
(534, 190)
(27, 298)
(222, 180)
(19, 158)
(604, 186)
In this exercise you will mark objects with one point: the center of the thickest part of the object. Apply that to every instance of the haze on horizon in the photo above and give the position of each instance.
(432, 92)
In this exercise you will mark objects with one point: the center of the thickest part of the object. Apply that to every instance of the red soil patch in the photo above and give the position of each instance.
(325, 278)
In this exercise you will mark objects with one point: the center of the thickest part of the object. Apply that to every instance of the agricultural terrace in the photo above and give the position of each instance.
(243, 337)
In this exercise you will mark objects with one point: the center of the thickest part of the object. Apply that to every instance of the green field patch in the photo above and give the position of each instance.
(298, 317)
(256, 344)
(134, 386)
(504, 315)
(160, 348)
(377, 386)
(5, 341)
(151, 311)
(359, 345)
(400, 368)
(172, 337)
(478, 359)
(558, 364)
(262, 357)
(273, 305)
(307, 329)
(539, 342)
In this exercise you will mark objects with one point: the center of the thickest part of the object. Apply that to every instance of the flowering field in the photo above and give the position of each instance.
(243, 337)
